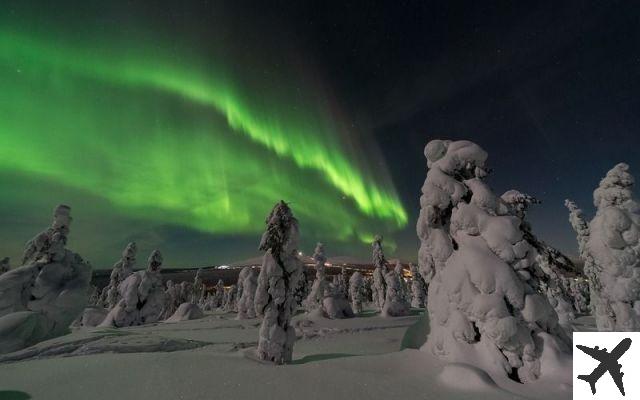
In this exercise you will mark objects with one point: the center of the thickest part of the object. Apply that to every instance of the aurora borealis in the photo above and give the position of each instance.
(180, 124)
(181, 139)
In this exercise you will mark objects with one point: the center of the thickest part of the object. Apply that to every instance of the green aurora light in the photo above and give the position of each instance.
(181, 143)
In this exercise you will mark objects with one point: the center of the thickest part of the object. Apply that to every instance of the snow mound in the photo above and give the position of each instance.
(186, 312)
(92, 316)
(466, 377)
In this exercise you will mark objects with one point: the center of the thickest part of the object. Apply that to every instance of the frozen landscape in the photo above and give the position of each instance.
(489, 311)
(367, 357)
(290, 200)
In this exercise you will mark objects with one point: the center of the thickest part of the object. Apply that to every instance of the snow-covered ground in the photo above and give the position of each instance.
(367, 357)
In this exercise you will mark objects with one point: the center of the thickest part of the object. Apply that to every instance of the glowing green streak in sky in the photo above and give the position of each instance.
(297, 141)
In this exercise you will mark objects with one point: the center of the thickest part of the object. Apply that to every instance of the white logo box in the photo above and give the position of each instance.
(584, 364)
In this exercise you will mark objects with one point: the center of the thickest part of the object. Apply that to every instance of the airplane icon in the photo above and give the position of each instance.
(608, 362)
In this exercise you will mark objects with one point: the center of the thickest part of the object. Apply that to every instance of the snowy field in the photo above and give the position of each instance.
(367, 357)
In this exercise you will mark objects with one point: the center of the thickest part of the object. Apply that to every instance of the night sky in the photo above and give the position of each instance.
(180, 125)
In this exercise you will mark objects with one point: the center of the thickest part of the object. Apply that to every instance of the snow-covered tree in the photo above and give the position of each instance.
(278, 277)
(379, 287)
(580, 293)
(485, 306)
(185, 290)
(404, 290)
(197, 290)
(40, 299)
(207, 303)
(335, 281)
(230, 300)
(94, 296)
(171, 300)
(356, 289)
(121, 270)
(245, 303)
(110, 292)
(301, 291)
(551, 268)
(418, 288)
(334, 303)
(4, 265)
(368, 288)
(218, 295)
(395, 303)
(240, 284)
(610, 248)
(551, 284)
(314, 299)
(343, 282)
(579, 225)
(142, 296)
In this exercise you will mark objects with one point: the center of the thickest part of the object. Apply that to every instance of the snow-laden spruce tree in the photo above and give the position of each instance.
(40, 299)
(356, 289)
(278, 277)
(580, 293)
(246, 308)
(207, 303)
(218, 295)
(230, 300)
(142, 296)
(335, 281)
(484, 308)
(343, 282)
(395, 303)
(240, 284)
(579, 225)
(197, 290)
(301, 291)
(399, 269)
(4, 265)
(171, 300)
(110, 293)
(368, 289)
(314, 299)
(94, 296)
(184, 292)
(379, 287)
(121, 270)
(552, 268)
(334, 303)
(418, 288)
(610, 248)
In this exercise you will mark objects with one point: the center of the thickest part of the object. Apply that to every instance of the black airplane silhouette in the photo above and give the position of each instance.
(608, 362)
